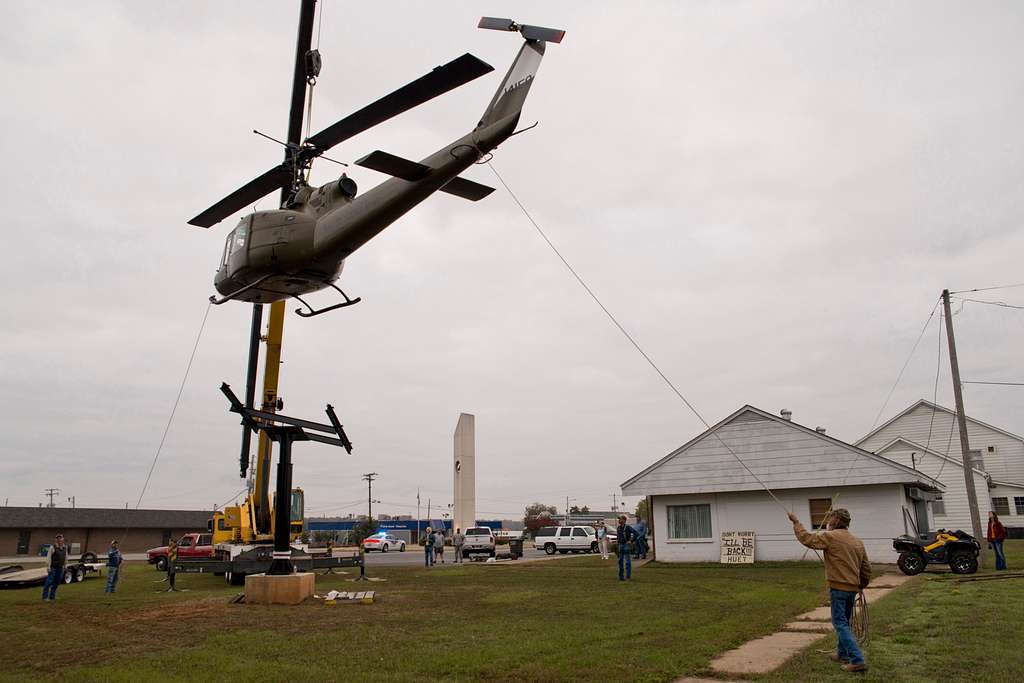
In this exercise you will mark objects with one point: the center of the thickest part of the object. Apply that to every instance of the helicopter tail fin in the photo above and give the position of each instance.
(507, 102)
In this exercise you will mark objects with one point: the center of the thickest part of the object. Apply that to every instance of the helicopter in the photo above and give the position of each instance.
(301, 248)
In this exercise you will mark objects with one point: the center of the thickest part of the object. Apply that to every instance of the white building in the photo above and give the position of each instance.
(701, 490)
(926, 436)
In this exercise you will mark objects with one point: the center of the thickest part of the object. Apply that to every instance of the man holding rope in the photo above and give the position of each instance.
(847, 571)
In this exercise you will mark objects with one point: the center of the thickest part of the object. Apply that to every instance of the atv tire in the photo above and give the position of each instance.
(963, 563)
(911, 563)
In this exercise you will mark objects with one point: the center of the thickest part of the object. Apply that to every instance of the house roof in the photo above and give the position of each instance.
(935, 406)
(94, 518)
(884, 468)
(949, 459)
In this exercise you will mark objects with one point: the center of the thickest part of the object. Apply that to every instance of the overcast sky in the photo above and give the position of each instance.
(769, 196)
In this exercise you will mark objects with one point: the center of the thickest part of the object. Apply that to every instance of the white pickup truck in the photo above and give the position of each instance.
(566, 539)
(479, 541)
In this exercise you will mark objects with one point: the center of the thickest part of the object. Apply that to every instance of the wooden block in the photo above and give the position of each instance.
(290, 589)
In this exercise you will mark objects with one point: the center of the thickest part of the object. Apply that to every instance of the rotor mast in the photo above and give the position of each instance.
(275, 328)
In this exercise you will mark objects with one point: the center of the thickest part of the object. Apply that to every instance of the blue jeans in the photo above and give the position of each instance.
(843, 603)
(428, 559)
(624, 557)
(54, 577)
(112, 575)
(458, 554)
(1000, 557)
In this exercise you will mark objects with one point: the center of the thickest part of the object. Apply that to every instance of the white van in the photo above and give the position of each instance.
(566, 539)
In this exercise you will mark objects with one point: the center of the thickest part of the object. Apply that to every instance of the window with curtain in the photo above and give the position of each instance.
(819, 508)
(689, 521)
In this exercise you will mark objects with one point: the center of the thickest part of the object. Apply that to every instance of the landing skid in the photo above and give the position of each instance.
(313, 312)
(234, 295)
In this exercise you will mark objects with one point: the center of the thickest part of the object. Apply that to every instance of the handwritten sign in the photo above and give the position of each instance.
(737, 547)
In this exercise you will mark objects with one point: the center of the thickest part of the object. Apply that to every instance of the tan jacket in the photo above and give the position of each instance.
(846, 562)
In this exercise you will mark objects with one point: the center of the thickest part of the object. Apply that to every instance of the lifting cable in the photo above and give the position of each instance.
(629, 337)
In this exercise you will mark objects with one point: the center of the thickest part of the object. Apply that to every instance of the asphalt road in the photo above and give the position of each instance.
(414, 556)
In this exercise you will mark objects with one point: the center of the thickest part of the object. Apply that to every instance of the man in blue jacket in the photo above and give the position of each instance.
(624, 536)
(114, 561)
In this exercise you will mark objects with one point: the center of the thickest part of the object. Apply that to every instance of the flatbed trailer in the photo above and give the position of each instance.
(20, 576)
(236, 565)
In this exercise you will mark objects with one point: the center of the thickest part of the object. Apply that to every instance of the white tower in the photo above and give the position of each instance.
(464, 465)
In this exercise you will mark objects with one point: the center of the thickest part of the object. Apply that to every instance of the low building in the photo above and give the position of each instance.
(701, 490)
(24, 530)
(927, 436)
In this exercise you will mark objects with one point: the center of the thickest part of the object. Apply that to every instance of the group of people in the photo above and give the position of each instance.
(57, 564)
(630, 544)
(433, 546)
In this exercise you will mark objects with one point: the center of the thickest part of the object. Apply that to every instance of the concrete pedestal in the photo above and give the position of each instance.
(288, 589)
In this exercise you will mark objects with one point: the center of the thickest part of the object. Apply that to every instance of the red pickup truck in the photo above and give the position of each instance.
(189, 545)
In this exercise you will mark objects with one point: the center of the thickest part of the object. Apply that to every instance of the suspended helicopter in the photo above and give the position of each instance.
(302, 247)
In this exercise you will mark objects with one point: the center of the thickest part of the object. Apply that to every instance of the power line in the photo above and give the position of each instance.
(1004, 384)
(988, 289)
(990, 303)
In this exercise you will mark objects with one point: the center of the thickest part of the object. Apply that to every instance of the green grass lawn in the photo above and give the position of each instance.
(937, 629)
(566, 619)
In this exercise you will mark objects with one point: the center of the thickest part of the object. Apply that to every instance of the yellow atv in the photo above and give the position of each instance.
(958, 549)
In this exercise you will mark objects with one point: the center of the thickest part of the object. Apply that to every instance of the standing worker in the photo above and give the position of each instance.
(847, 571)
(55, 568)
(172, 557)
(995, 537)
(602, 540)
(428, 548)
(458, 540)
(641, 538)
(624, 536)
(114, 561)
(439, 546)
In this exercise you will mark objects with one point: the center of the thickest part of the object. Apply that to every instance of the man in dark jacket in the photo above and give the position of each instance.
(624, 536)
(55, 568)
(847, 571)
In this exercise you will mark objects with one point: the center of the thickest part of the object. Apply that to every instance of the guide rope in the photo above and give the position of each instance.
(629, 337)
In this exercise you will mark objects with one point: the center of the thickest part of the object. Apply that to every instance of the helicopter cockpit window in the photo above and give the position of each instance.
(235, 242)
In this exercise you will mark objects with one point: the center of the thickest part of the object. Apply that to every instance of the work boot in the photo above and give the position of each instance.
(855, 668)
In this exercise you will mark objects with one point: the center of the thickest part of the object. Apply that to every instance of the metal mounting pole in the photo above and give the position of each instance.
(282, 563)
(965, 447)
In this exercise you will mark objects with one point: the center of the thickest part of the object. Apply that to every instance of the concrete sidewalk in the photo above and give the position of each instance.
(768, 653)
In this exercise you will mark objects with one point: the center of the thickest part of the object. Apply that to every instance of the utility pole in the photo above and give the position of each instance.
(72, 501)
(961, 416)
(615, 505)
(51, 493)
(368, 478)
(417, 514)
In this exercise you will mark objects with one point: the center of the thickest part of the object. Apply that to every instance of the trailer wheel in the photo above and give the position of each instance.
(79, 574)
(69, 575)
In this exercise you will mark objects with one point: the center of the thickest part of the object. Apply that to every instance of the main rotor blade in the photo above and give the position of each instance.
(439, 81)
(256, 189)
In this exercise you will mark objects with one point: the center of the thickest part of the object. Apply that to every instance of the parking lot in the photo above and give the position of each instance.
(414, 556)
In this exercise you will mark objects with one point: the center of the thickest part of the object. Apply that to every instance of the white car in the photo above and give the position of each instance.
(566, 539)
(383, 541)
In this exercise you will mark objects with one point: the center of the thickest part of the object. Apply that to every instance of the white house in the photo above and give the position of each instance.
(926, 436)
(701, 490)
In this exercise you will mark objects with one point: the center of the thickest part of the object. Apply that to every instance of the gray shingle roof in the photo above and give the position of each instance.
(111, 518)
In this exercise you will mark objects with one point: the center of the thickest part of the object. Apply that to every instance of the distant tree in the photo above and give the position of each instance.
(538, 515)
(364, 529)
(574, 510)
(641, 509)
(585, 509)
